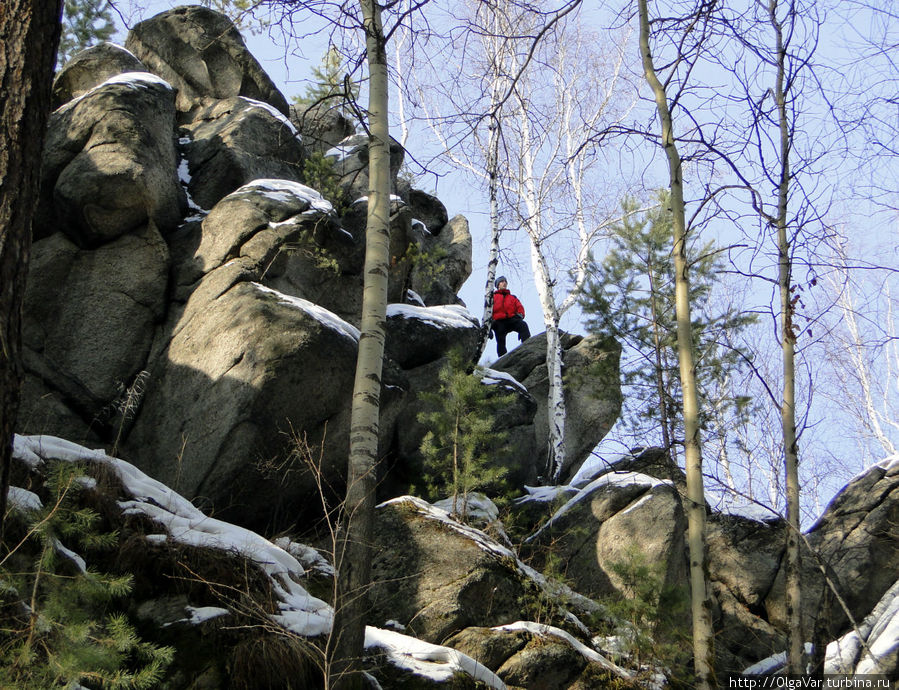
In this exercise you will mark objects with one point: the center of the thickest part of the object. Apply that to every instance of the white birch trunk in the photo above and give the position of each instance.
(543, 281)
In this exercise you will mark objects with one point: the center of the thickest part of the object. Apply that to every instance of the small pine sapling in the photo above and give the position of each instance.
(652, 615)
(463, 450)
(57, 626)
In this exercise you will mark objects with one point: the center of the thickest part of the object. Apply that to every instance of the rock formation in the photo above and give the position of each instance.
(193, 304)
(193, 307)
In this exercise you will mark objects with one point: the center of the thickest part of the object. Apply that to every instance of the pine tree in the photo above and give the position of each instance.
(84, 23)
(58, 626)
(462, 447)
(631, 296)
(328, 86)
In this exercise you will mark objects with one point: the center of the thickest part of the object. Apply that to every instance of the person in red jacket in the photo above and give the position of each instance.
(508, 315)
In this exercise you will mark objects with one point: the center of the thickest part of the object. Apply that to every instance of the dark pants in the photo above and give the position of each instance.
(502, 327)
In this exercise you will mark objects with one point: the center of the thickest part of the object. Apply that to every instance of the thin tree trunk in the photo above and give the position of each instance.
(796, 652)
(703, 633)
(543, 282)
(29, 37)
(354, 570)
(495, 229)
(667, 441)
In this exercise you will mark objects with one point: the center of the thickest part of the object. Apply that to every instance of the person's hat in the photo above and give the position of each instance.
(501, 279)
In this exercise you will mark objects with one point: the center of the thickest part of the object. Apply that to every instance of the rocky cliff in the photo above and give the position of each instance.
(192, 308)
(193, 303)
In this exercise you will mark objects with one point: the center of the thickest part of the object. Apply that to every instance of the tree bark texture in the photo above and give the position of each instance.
(354, 568)
(703, 632)
(29, 36)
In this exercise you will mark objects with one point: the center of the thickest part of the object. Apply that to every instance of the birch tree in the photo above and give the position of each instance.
(690, 40)
(550, 122)
(29, 36)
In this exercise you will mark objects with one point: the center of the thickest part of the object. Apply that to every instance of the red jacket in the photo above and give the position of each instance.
(506, 305)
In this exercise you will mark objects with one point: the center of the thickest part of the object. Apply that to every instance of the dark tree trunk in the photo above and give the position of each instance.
(29, 35)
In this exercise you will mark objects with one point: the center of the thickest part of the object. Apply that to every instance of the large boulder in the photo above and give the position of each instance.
(420, 335)
(428, 209)
(184, 569)
(540, 657)
(618, 520)
(350, 162)
(323, 126)
(235, 141)
(857, 541)
(223, 417)
(439, 577)
(92, 315)
(91, 67)
(443, 263)
(400, 249)
(109, 164)
(591, 384)
(202, 55)
(180, 564)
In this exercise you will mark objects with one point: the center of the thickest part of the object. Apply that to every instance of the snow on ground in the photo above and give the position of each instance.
(286, 191)
(308, 557)
(415, 297)
(871, 649)
(548, 630)
(200, 614)
(773, 664)
(545, 494)
(479, 507)
(300, 612)
(23, 500)
(880, 631)
(182, 522)
(430, 660)
(328, 318)
(447, 316)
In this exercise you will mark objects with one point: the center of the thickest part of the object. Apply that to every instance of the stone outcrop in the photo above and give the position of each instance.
(857, 542)
(194, 305)
(350, 162)
(453, 577)
(235, 141)
(110, 165)
(444, 261)
(323, 125)
(91, 67)
(201, 54)
(624, 517)
(592, 390)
